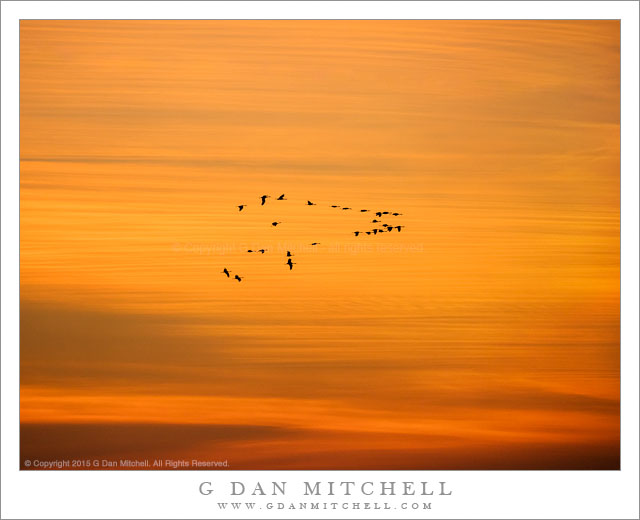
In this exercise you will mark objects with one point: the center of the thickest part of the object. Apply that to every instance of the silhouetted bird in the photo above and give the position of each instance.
(275, 223)
(368, 232)
(290, 264)
(378, 213)
(250, 251)
(281, 197)
(289, 253)
(399, 228)
(334, 206)
(264, 198)
(261, 251)
(385, 225)
(241, 207)
(363, 210)
(385, 212)
(356, 233)
(396, 214)
(390, 228)
(309, 203)
(374, 221)
(238, 278)
(226, 271)
(346, 208)
(374, 231)
(315, 243)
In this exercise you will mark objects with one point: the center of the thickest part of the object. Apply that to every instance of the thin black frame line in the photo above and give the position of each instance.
(620, 114)
(390, 2)
(317, 19)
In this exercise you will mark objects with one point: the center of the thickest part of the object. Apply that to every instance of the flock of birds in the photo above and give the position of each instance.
(384, 227)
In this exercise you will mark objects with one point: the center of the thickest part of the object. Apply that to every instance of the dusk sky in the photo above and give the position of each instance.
(484, 335)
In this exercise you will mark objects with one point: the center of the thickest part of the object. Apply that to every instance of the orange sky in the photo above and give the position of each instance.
(484, 335)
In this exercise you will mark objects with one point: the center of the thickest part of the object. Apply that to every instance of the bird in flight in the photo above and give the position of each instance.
(290, 255)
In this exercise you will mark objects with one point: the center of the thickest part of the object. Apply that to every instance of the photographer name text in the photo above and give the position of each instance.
(331, 488)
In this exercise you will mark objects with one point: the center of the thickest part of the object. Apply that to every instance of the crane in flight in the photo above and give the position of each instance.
(289, 255)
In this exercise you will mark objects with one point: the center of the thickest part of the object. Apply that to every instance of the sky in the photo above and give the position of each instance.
(483, 335)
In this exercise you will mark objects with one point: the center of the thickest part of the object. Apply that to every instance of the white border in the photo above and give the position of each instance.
(510, 494)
